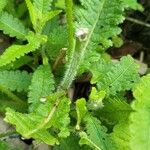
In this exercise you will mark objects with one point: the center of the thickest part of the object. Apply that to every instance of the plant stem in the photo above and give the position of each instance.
(72, 66)
(44, 57)
(138, 22)
(12, 96)
(70, 25)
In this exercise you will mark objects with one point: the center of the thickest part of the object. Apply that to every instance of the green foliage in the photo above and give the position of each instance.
(101, 27)
(15, 80)
(37, 124)
(121, 136)
(16, 51)
(96, 136)
(4, 145)
(124, 72)
(40, 75)
(81, 111)
(44, 86)
(40, 13)
(70, 142)
(12, 26)
(139, 119)
(115, 110)
(2, 4)
(57, 39)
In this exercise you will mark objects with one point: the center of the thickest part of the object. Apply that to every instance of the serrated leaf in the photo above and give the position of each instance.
(57, 39)
(121, 136)
(40, 13)
(24, 60)
(32, 12)
(139, 119)
(121, 76)
(96, 136)
(71, 142)
(115, 109)
(101, 26)
(37, 125)
(44, 87)
(12, 26)
(43, 6)
(15, 80)
(16, 51)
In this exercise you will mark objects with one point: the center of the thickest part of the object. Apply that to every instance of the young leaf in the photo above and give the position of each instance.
(37, 125)
(121, 76)
(96, 136)
(42, 88)
(32, 12)
(139, 120)
(16, 51)
(81, 111)
(12, 26)
(15, 80)
(40, 13)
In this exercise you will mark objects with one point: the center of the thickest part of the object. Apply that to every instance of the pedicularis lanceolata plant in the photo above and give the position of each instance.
(54, 43)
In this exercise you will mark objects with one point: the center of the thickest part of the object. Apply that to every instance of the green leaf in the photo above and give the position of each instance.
(121, 135)
(43, 6)
(133, 4)
(60, 4)
(115, 110)
(4, 145)
(3, 3)
(101, 26)
(12, 26)
(139, 119)
(57, 39)
(15, 80)
(81, 111)
(6, 102)
(40, 13)
(96, 136)
(24, 60)
(71, 142)
(32, 12)
(95, 99)
(44, 87)
(16, 51)
(37, 125)
(121, 76)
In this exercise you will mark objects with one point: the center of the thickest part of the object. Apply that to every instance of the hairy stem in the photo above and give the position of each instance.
(70, 25)
(72, 67)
